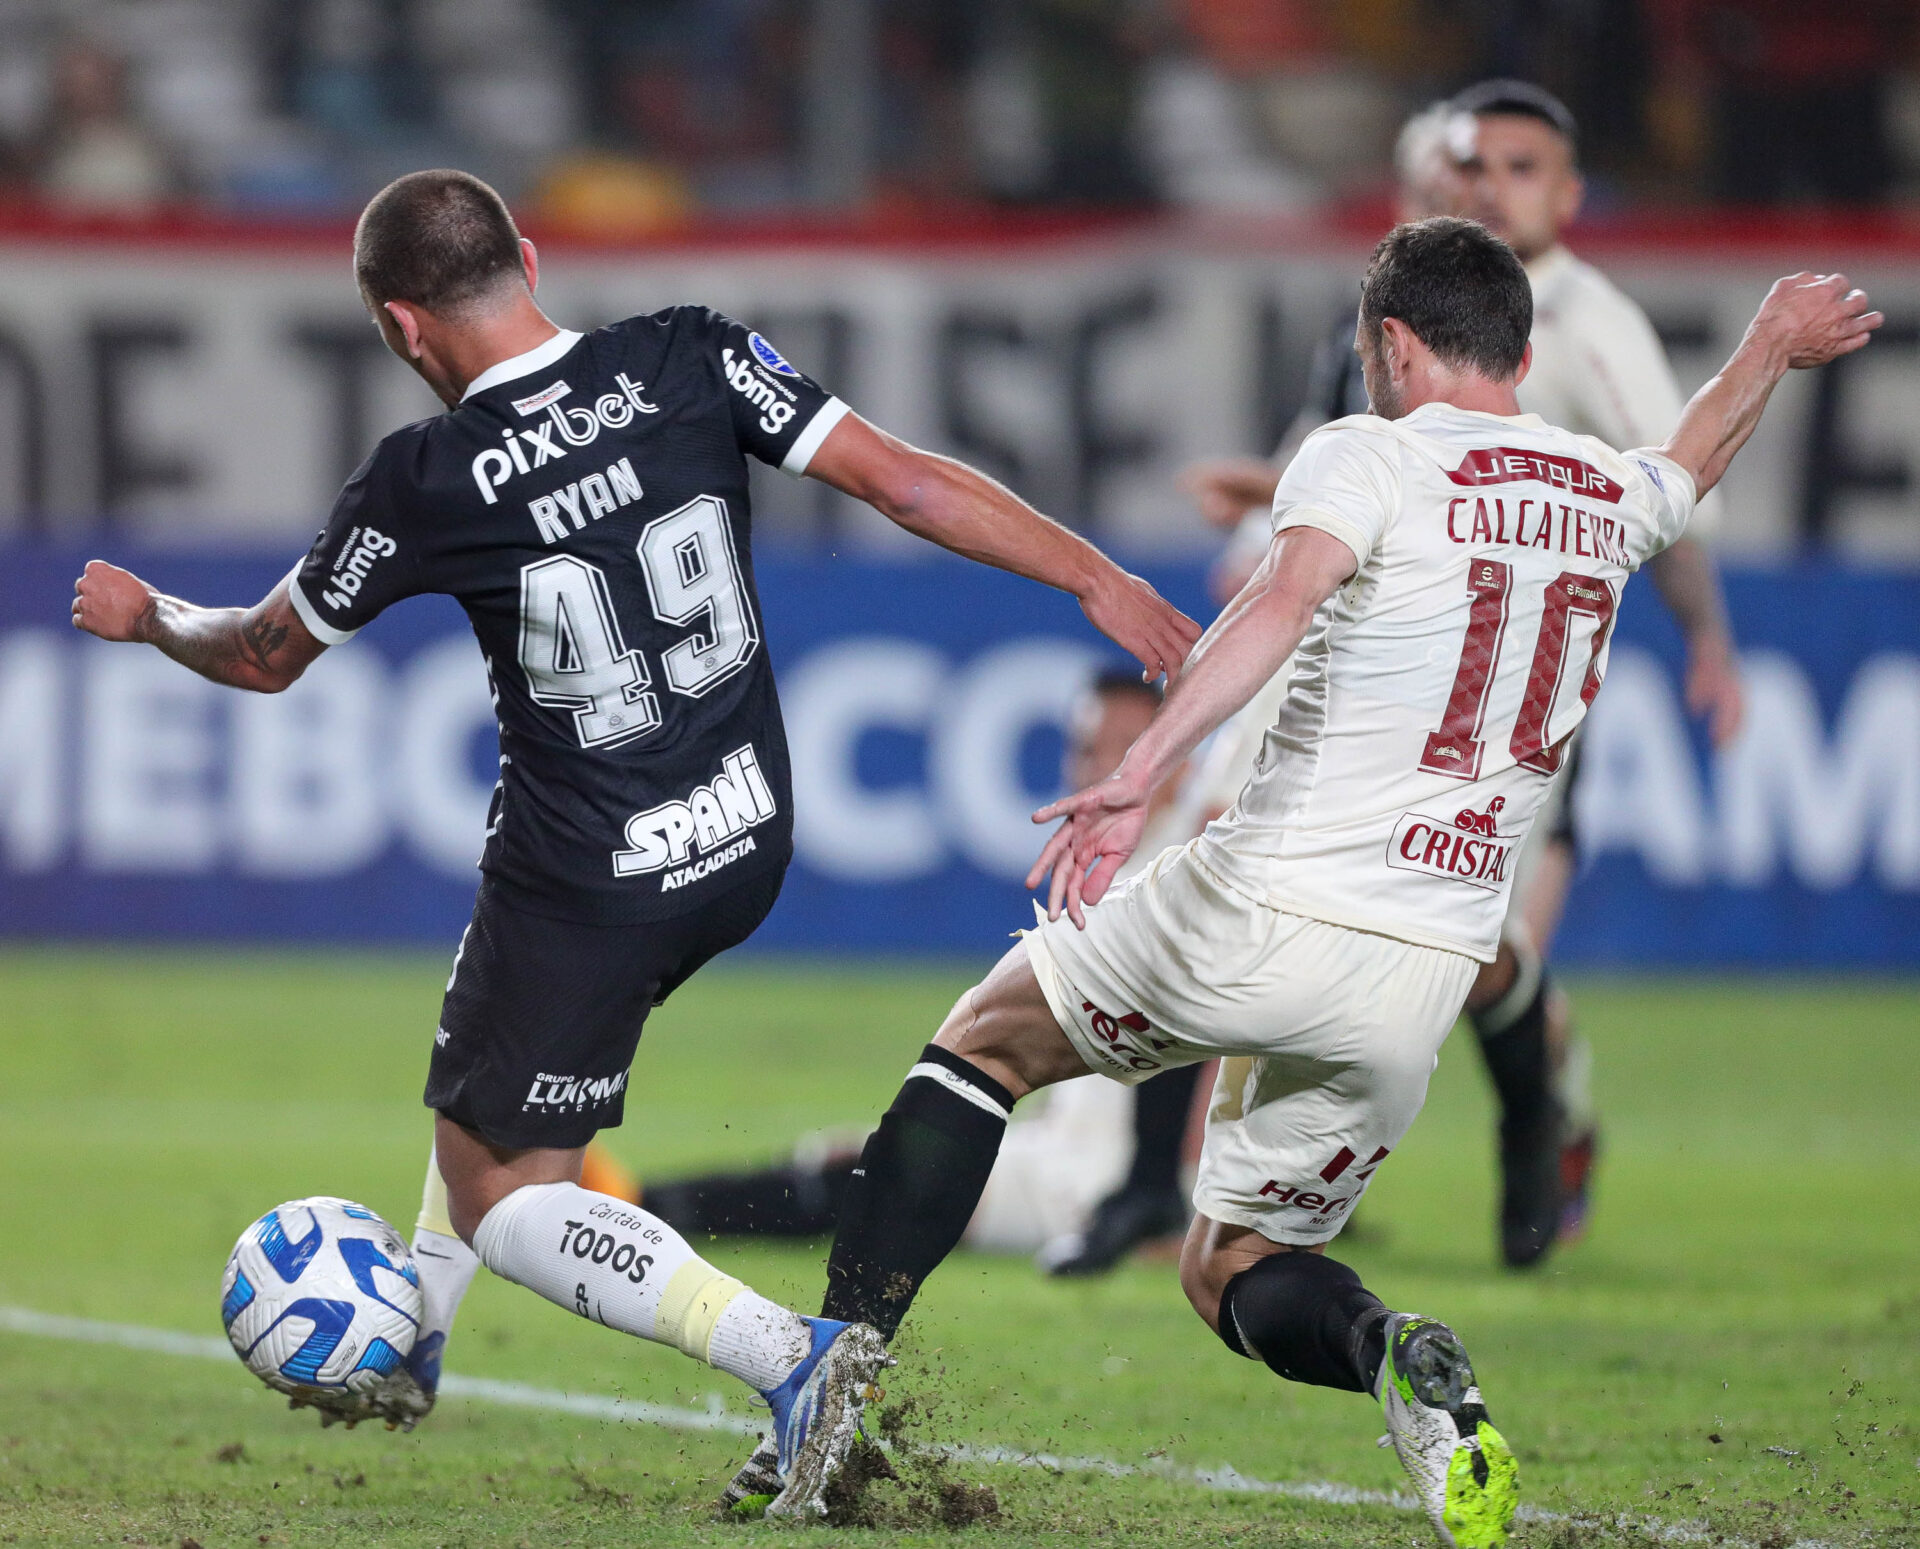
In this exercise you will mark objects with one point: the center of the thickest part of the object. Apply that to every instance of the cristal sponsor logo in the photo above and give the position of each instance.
(1127, 1038)
(357, 557)
(1470, 849)
(1323, 1207)
(768, 356)
(774, 402)
(537, 445)
(576, 1092)
(585, 500)
(713, 819)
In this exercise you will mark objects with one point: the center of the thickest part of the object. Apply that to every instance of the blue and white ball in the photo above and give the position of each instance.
(321, 1297)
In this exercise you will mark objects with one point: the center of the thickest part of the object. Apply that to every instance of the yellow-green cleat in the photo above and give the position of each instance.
(1462, 1469)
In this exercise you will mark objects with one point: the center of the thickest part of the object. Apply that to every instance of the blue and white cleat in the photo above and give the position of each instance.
(403, 1398)
(816, 1416)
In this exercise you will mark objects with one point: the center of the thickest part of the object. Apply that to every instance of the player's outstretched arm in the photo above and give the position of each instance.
(263, 648)
(1806, 320)
(963, 510)
(1690, 586)
(1236, 657)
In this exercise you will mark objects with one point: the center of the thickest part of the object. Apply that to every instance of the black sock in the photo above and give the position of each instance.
(1309, 1318)
(1160, 1108)
(1513, 1041)
(915, 1189)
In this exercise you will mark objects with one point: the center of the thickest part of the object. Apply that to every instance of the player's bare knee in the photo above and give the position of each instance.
(1005, 1027)
(1200, 1276)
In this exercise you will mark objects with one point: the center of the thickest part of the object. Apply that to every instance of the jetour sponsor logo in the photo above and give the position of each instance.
(357, 557)
(538, 445)
(1469, 849)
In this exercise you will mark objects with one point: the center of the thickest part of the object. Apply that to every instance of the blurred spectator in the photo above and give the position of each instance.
(94, 156)
(1797, 93)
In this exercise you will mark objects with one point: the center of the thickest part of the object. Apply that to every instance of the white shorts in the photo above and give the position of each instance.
(1329, 1035)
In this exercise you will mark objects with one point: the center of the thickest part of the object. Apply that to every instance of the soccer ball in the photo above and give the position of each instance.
(321, 1298)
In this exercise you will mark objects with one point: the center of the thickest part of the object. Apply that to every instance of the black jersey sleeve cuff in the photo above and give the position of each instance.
(800, 454)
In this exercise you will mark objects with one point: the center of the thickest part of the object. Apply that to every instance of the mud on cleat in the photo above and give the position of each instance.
(1462, 1470)
(751, 1491)
(403, 1398)
(816, 1413)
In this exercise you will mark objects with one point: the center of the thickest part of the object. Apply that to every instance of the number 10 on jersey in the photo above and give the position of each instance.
(1456, 747)
(576, 657)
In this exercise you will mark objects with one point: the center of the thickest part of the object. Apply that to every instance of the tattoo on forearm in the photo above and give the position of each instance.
(263, 637)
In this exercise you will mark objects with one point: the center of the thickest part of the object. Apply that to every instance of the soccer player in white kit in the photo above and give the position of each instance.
(1504, 152)
(1449, 569)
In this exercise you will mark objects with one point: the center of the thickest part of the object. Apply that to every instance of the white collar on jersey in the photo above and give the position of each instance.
(535, 359)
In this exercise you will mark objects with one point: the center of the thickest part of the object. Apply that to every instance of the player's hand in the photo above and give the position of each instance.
(1815, 318)
(109, 602)
(1140, 621)
(1103, 824)
(1715, 693)
(1225, 489)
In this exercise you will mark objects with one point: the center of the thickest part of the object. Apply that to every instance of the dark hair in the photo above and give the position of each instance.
(1458, 287)
(440, 240)
(1124, 680)
(1518, 99)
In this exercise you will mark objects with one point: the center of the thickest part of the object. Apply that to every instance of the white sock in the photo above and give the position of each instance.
(610, 1261)
(446, 1264)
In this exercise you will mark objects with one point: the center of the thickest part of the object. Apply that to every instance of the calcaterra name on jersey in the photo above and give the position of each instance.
(586, 500)
(357, 556)
(714, 820)
(749, 379)
(1537, 524)
(535, 447)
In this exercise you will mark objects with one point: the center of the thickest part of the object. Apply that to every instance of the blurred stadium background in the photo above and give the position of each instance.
(1079, 243)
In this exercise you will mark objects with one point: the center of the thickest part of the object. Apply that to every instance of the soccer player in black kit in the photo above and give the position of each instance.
(585, 500)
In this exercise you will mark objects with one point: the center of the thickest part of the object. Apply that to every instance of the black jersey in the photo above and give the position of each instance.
(586, 503)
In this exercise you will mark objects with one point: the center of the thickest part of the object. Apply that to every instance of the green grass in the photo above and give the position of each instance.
(1733, 1345)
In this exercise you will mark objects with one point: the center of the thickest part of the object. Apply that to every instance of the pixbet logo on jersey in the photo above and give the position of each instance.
(576, 426)
(1470, 849)
(357, 555)
(714, 819)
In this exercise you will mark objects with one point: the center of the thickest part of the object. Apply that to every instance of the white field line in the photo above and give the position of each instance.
(519, 1395)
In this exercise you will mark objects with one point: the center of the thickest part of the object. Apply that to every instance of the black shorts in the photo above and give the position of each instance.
(1562, 828)
(542, 1016)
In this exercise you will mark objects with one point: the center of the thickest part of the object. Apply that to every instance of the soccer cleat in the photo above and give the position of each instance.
(816, 1414)
(403, 1398)
(751, 1491)
(1462, 1469)
(1577, 1157)
(1121, 1222)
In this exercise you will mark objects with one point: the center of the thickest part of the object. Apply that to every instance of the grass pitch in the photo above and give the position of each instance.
(1731, 1352)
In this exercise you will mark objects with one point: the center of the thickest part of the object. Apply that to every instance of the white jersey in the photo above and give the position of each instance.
(1431, 701)
(1598, 366)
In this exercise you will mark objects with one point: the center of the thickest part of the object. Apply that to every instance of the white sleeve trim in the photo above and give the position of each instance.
(319, 628)
(1332, 524)
(808, 441)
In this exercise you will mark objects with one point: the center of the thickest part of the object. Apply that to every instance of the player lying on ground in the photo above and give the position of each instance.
(1506, 154)
(1449, 571)
(585, 500)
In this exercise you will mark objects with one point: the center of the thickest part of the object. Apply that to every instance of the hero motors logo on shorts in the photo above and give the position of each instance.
(1123, 1037)
(713, 819)
(1470, 849)
(1324, 1207)
(572, 1094)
